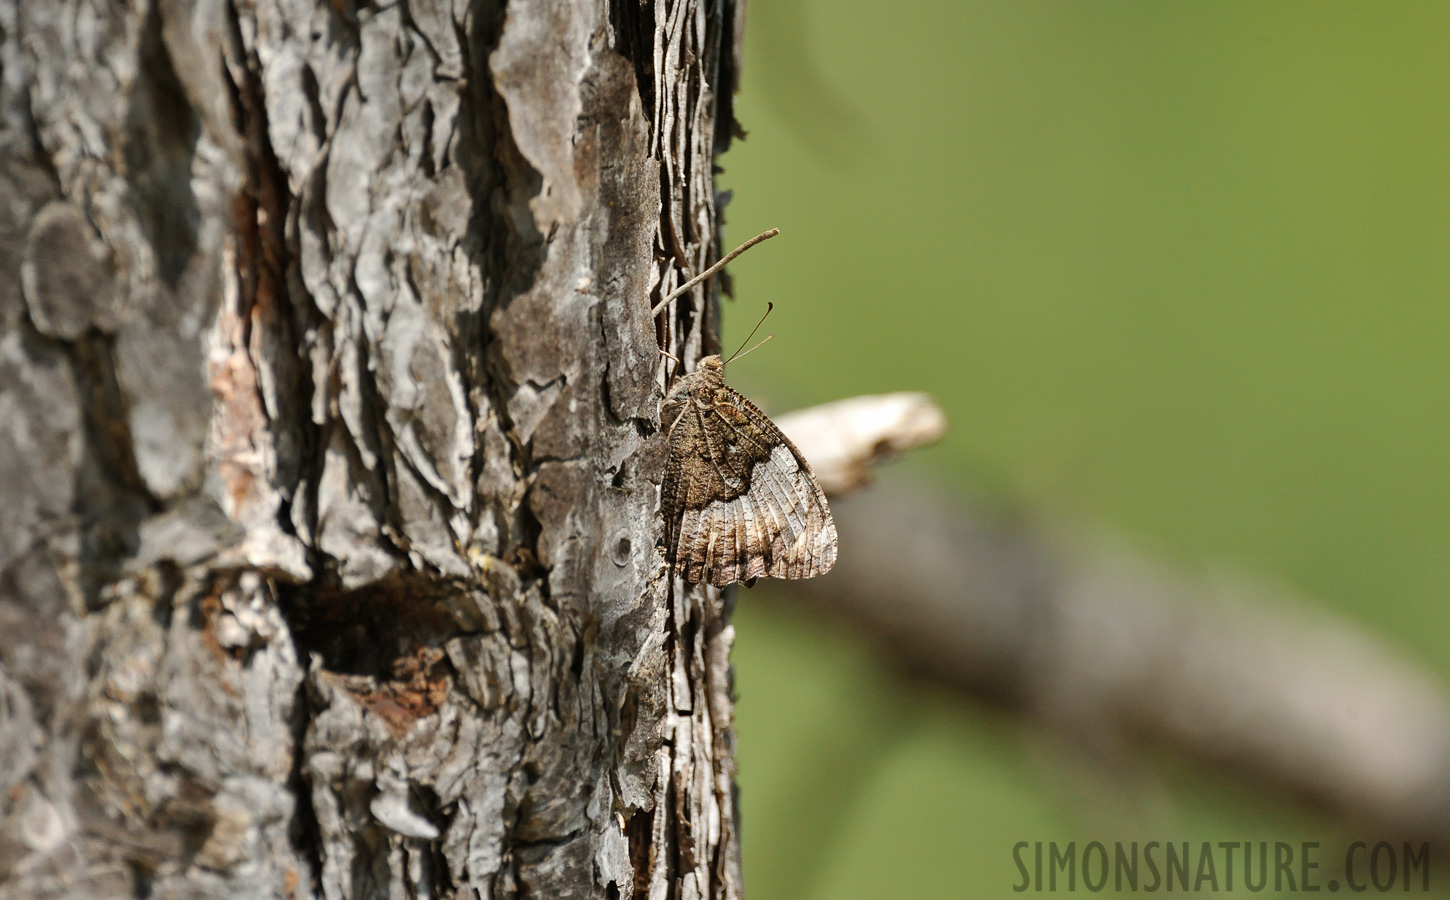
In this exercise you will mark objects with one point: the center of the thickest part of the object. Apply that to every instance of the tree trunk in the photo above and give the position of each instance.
(330, 452)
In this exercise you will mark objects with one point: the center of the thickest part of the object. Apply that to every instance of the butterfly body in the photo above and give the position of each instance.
(739, 500)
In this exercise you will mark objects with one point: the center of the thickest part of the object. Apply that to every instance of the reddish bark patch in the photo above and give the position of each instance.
(418, 688)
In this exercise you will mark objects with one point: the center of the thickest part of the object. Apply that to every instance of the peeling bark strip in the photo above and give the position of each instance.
(330, 450)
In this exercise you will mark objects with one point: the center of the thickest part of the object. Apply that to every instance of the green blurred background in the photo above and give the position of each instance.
(1176, 271)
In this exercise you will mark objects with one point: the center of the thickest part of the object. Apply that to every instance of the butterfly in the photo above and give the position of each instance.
(739, 500)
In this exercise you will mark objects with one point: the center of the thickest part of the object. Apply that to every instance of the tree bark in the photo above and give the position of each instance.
(330, 450)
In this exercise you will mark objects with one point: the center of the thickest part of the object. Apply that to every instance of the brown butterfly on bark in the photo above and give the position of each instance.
(739, 500)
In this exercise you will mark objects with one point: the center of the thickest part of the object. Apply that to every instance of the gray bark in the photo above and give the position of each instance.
(329, 450)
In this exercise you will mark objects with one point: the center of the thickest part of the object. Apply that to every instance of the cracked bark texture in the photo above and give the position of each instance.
(329, 450)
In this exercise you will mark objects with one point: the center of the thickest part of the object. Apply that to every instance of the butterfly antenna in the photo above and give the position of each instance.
(737, 354)
(722, 263)
(753, 349)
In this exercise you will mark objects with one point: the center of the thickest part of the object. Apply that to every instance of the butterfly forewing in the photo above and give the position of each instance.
(739, 500)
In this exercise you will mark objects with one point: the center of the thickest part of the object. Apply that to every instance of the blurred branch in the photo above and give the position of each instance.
(844, 439)
(1108, 646)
